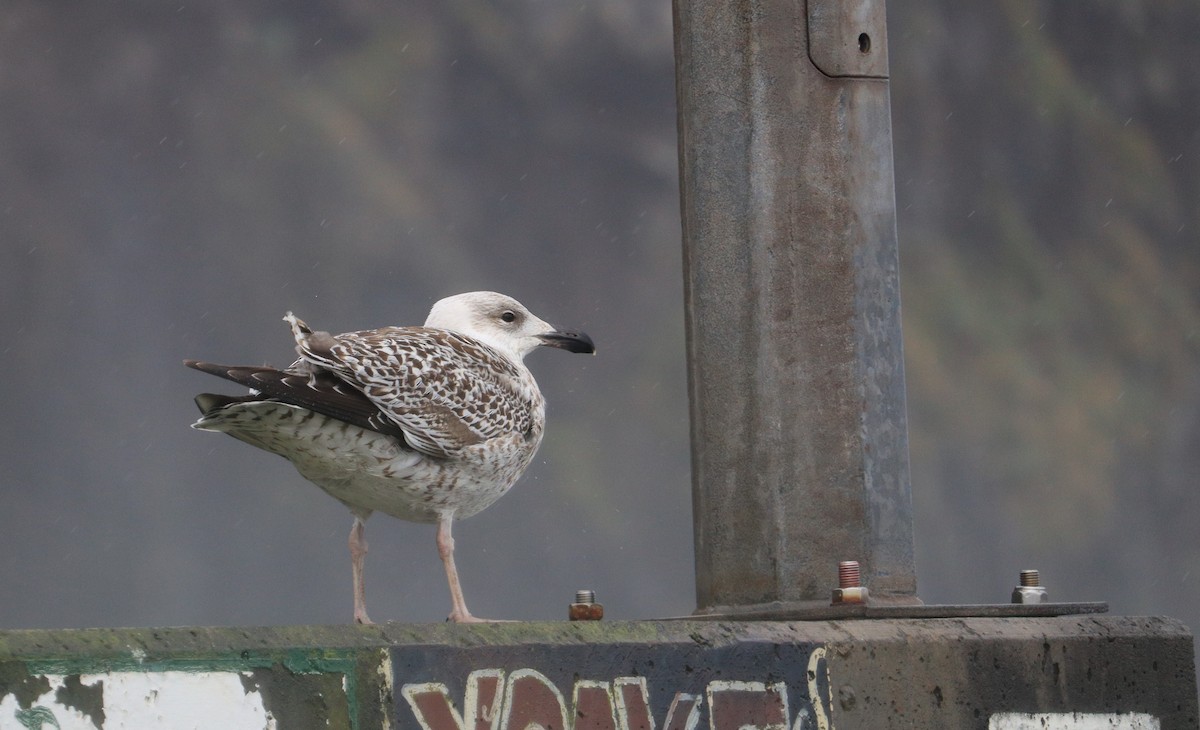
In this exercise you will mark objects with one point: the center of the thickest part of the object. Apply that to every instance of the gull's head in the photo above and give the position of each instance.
(504, 323)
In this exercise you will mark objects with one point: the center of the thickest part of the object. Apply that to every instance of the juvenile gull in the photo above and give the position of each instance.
(428, 424)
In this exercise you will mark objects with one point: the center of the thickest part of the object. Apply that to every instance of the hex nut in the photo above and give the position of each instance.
(857, 594)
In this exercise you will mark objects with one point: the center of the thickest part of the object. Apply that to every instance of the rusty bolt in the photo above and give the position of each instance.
(849, 575)
(585, 607)
(1031, 589)
(850, 588)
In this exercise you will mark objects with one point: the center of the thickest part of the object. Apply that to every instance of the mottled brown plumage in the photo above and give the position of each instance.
(428, 424)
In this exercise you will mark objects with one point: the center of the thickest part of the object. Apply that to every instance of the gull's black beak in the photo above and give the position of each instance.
(569, 341)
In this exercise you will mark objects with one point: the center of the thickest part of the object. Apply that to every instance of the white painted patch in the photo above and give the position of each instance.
(45, 710)
(814, 693)
(389, 683)
(1072, 721)
(180, 700)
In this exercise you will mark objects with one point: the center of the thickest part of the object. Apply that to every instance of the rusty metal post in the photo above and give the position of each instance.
(795, 362)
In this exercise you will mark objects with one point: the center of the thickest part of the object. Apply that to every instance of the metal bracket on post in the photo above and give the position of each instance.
(848, 38)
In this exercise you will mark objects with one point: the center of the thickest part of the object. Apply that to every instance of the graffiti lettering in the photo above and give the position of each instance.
(749, 705)
(527, 700)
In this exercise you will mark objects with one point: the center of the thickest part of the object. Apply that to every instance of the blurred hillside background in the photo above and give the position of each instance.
(176, 176)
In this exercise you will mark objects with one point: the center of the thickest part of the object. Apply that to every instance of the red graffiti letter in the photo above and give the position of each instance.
(532, 701)
(741, 705)
(431, 704)
(684, 713)
(594, 706)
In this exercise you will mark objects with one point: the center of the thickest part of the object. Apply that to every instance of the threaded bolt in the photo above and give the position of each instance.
(585, 607)
(850, 588)
(1030, 590)
(849, 574)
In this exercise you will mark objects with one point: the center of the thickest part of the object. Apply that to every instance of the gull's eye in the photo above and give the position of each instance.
(509, 316)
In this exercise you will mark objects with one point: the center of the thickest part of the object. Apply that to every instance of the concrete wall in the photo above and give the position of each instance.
(1070, 672)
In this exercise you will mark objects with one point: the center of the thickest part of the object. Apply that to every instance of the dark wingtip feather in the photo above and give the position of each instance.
(321, 392)
(243, 374)
(208, 367)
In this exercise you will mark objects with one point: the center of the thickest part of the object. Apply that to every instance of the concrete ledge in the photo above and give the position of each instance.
(1129, 672)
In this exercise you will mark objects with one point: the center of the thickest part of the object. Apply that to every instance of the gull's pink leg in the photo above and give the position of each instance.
(358, 552)
(445, 543)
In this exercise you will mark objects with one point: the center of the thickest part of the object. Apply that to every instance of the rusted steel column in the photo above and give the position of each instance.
(795, 361)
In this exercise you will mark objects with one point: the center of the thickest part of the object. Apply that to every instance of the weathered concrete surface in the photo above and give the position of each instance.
(670, 675)
(958, 672)
(795, 358)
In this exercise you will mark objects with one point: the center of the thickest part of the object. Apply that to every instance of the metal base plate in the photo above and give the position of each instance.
(867, 611)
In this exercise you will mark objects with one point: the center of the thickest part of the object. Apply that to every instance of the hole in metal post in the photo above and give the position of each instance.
(864, 43)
